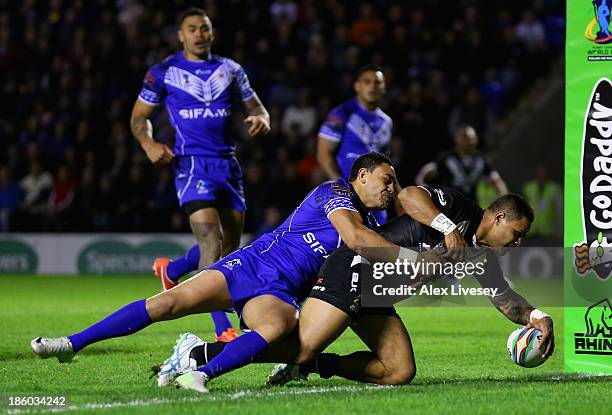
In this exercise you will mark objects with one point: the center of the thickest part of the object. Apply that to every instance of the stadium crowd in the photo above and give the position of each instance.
(71, 71)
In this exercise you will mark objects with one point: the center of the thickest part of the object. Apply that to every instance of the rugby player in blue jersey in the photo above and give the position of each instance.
(200, 90)
(356, 127)
(265, 281)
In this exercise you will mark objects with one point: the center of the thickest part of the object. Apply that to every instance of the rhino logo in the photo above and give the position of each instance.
(597, 338)
(598, 319)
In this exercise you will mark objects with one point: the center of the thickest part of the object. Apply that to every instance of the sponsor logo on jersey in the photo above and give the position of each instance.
(597, 338)
(196, 113)
(315, 245)
(441, 198)
(354, 282)
(594, 254)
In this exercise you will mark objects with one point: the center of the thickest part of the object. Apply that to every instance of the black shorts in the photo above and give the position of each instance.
(339, 284)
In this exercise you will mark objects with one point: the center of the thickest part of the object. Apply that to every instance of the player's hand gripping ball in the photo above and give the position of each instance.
(524, 347)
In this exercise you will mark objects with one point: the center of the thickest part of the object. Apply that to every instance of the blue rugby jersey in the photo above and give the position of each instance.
(199, 101)
(358, 131)
(300, 245)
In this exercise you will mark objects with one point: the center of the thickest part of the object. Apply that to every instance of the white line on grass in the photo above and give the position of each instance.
(200, 398)
(248, 394)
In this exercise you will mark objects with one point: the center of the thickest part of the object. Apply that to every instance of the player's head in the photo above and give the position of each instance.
(369, 84)
(465, 138)
(195, 32)
(506, 222)
(373, 177)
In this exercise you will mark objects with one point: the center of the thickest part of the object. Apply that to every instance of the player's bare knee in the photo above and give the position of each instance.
(399, 375)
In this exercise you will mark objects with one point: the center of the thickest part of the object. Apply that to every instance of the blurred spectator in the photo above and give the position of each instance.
(470, 111)
(368, 28)
(530, 32)
(132, 194)
(161, 201)
(105, 206)
(10, 196)
(36, 187)
(284, 10)
(303, 115)
(61, 198)
(84, 204)
(547, 200)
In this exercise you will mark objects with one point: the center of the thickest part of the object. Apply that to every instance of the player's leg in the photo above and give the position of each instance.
(269, 319)
(390, 360)
(206, 227)
(232, 223)
(203, 293)
(319, 325)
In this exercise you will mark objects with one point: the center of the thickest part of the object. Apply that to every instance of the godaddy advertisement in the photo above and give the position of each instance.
(588, 188)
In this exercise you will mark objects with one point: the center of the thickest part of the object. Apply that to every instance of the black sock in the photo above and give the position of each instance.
(326, 365)
(206, 352)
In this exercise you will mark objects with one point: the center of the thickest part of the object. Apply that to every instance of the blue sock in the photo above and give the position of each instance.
(237, 353)
(181, 266)
(221, 320)
(127, 320)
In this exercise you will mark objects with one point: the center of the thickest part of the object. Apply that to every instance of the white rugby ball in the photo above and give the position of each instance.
(524, 347)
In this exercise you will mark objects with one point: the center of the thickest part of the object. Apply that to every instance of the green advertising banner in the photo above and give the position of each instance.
(588, 187)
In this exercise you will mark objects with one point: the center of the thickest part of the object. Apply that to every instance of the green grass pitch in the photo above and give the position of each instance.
(462, 365)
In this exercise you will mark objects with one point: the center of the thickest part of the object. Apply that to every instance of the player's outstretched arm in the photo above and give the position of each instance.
(257, 116)
(417, 203)
(143, 132)
(517, 309)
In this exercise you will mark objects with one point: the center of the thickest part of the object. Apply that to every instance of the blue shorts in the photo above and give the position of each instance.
(209, 179)
(249, 275)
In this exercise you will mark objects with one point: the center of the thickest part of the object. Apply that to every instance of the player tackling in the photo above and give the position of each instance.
(264, 281)
(437, 218)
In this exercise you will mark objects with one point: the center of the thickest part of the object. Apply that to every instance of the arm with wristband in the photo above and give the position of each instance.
(418, 203)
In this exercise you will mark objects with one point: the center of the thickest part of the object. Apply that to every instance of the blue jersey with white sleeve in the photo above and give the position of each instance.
(199, 97)
(357, 131)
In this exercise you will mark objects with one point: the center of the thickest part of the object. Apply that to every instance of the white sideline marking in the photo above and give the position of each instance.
(249, 394)
(200, 398)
